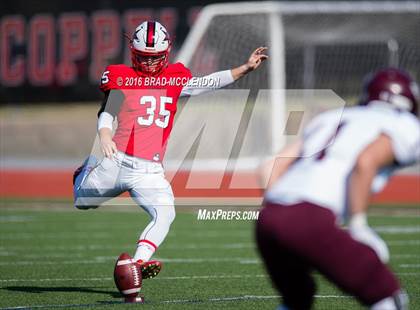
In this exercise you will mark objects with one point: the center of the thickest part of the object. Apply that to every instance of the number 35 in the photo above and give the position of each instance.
(150, 111)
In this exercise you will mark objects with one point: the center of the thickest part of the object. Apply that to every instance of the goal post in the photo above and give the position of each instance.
(383, 30)
(244, 28)
(312, 45)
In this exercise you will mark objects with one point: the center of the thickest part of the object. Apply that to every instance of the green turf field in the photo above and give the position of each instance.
(64, 259)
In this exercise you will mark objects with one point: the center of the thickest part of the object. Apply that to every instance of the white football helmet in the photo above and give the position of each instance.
(150, 47)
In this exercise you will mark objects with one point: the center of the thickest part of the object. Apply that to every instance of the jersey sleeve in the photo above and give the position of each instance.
(203, 84)
(405, 137)
(112, 102)
(108, 79)
(312, 126)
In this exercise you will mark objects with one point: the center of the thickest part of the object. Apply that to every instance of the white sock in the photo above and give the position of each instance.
(399, 301)
(145, 250)
(384, 304)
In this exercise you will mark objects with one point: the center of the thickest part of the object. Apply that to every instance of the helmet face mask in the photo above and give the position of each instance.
(150, 47)
(393, 86)
(151, 64)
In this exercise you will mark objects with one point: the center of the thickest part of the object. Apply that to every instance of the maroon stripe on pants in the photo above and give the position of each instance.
(293, 240)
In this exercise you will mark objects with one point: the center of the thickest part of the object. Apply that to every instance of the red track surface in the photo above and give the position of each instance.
(58, 184)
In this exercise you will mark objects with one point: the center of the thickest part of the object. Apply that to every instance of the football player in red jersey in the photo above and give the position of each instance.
(143, 97)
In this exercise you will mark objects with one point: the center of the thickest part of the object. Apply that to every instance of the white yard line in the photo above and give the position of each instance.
(397, 230)
(202, 277)
(34, 259)
(208, 233)
(94, 247)
(55, 280)
(106, 234)
(15, 219)
(172, 301)
(59, 236)
(46, 255)
(403, 242)
(398, 256)
(206, 260)
(158, 278)
(416, 266)
(185, 246)
(69, 248)
(195, 246)
(106, 259)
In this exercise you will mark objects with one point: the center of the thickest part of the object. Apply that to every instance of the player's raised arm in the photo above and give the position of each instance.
(226, 77)
(254, 61)
(376, 156)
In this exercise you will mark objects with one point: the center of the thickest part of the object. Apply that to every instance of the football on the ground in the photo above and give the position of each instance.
(127, 277)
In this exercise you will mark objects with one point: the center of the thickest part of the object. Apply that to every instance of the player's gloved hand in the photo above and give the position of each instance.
(256, 58)
(360, 231)
(108, 147)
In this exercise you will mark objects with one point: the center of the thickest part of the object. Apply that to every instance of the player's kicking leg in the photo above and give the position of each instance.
(95, 182)
(82, 172)
(154, 194)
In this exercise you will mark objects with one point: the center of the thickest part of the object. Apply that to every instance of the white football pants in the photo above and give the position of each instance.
(143, 179)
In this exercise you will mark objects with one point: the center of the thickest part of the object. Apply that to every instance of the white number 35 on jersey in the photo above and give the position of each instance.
(150, 111)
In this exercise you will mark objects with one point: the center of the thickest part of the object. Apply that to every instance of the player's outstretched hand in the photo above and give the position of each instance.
(254, 61)
(256, 58)
(108, 147)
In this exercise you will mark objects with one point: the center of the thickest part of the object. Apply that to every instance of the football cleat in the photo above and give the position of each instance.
(138, 299)
(89, 163)
(77, 172)
(149, 269)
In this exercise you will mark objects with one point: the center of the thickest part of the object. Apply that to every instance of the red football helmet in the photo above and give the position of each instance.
(150, 47)
(394, 86)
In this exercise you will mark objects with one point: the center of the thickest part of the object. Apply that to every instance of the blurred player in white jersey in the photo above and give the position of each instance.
(326, 179)
(145, 114)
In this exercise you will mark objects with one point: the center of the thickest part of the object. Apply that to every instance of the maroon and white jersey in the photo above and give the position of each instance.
(146, 107)
(332, 143)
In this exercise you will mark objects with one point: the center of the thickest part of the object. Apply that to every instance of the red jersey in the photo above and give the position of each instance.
(146, 113)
